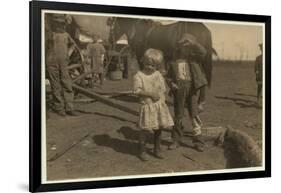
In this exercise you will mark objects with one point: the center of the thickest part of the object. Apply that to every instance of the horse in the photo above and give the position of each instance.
(144, 33)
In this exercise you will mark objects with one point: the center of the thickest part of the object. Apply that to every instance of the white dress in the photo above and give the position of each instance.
(153, 115)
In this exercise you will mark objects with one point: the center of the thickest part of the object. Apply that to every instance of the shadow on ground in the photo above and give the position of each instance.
(243, 94)
(133, 135)
(106, 115)
(118, 145)
(243, 103)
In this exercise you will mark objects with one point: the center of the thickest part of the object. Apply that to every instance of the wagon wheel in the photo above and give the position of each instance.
(77, 66)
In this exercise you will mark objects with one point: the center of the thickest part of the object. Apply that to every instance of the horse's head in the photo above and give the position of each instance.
(120, 26)
(135, 29)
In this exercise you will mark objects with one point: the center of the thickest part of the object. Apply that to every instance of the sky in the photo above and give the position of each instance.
(236, 41)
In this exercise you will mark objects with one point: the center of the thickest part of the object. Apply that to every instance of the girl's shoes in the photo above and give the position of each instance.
(157, 144)
(173, 146)
(143, 156)
(158, 154)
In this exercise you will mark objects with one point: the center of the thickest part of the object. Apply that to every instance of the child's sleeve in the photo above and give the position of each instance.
(199, 50)
(138, 87)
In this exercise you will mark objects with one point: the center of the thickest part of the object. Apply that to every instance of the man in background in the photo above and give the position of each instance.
(96, 52)
(259, 74)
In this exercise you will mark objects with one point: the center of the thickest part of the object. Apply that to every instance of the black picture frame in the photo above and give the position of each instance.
(35, 95)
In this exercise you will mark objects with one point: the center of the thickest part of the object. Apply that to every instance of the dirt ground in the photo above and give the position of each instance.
(109, 136)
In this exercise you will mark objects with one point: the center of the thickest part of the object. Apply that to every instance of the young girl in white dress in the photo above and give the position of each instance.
(154, 115)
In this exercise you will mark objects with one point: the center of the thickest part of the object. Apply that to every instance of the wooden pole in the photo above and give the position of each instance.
(104, 100)
(67, 148)
(73, 66)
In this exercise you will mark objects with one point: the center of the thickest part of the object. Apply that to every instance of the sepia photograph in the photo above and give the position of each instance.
(127, 96)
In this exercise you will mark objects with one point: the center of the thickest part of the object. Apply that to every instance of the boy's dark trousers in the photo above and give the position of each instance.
(202, 94)
(185, 95)
(61, 86)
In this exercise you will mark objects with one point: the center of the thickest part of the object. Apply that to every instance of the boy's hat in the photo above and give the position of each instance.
(96, 38)
(60, 18)
(187, 38)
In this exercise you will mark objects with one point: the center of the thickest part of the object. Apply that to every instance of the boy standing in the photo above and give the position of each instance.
(96, 53)
(185, 78)
(57, 61)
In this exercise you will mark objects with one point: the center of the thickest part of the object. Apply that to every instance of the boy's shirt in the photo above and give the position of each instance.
(95, 50)
(183, 70)
(179, 70)
(186, 71)
(191, 70)
(96, 53)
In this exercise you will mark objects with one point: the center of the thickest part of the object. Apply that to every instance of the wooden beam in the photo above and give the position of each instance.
(73, 66)
(67, 148)
(104, 100)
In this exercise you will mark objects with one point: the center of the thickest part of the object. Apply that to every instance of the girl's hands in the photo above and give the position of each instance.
(174, 86)
(155, 97)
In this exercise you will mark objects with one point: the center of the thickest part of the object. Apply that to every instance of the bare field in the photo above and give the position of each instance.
(109, 144)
